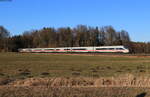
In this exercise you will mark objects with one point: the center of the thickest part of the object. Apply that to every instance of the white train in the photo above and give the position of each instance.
(98, 49)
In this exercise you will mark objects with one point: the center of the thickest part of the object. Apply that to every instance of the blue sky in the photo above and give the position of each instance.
(24, 15)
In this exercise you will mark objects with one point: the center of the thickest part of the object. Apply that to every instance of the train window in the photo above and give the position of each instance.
(79, 49)
(57, 49)
(49, 49)
(66, 49)
(119, 49)
(101, 48)
(110, 48)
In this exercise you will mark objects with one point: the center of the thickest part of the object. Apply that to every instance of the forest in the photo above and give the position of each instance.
(81, 35)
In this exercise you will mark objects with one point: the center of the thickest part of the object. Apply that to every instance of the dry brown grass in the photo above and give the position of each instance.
(121, 86)
(127, 80)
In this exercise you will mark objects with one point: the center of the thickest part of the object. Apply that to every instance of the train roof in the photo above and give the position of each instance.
(120, 46)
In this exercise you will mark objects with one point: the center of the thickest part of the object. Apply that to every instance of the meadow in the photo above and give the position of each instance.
(24, 65)
(76, 70)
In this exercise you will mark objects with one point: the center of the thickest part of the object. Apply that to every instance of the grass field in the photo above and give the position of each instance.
(79, 68)
(18, 65)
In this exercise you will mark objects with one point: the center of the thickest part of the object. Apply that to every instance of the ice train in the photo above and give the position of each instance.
(94, 49)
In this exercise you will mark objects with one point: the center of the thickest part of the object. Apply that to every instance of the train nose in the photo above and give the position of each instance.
(126, 51)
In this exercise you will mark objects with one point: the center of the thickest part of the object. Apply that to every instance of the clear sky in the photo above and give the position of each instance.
(23, 15)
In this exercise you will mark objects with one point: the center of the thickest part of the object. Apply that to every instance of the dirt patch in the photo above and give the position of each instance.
(5, 81)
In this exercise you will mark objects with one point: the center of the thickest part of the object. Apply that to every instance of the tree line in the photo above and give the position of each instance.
(80, 35)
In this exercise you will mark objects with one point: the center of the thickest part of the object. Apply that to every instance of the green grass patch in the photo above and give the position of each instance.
(25, 65)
